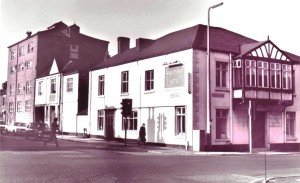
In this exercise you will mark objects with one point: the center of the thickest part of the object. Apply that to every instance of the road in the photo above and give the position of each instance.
(29, 161)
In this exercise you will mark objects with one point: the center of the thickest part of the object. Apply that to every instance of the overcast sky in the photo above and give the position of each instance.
(109, 19)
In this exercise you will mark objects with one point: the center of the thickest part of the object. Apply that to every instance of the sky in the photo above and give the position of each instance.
(109, 19)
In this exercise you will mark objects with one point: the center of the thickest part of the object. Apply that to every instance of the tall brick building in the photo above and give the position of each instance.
(32, 57)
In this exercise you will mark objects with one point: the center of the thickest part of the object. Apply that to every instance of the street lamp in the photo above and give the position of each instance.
(208, 102)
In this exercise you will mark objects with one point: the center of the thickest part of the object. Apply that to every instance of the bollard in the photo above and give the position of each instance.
(84, 132)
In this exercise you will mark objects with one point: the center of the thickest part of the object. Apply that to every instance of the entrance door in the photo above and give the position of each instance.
(258, 130)
(109, 124)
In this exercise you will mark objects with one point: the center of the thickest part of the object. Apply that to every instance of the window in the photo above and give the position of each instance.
(180, 120)
(11, 107)
(22, 51)
(250, 69)
(19, 106)
(29, 64)
(21, 66)
(100, 119)
(30, 47)
(101, 85)
(221, 123)
(28, 105)
(70, 85)
(263, 74)
(40, 88)
(275, 72)
(221, 74)
(53, 86)
(11, 89)
(20, 88)
(29, 87)
(13, 54)
(124, 82)
(290, 124)
(286, 76)
(149, 80)
(13, 69)
(132, 121)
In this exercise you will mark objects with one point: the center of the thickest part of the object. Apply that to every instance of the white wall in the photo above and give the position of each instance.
(159, 101)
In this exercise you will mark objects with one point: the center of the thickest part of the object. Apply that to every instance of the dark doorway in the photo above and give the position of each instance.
(39, 114)
(109, 124)
(258, 130)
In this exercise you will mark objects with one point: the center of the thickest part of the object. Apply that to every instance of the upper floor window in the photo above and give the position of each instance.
(20, 88)
(221, 123)
(286, 76)
(70, 85)
(53, 86)
(132, 121)
(290, 124)
(275, 73)
(28, 105)
(250, 69)
(101, 85)
(13, 69)
(40, 88)
(11, 89)
(180, 120)
(74, 51)
(29, 87)
(101, 118)
(149, 80)
(237, 73)
(263, 74)
(22, 51)
(124, 82)
(21, 66)
(13, 54)
(11, 107)
(221, 74)
(29, 64)
(30, 47)
(19, 106)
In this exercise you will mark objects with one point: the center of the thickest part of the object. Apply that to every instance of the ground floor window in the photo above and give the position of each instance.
(290, 124)
(180, 120)
(221, 123)
(132, 121)
(100, 119)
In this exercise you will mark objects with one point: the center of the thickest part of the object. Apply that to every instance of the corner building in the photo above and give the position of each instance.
(252, 93)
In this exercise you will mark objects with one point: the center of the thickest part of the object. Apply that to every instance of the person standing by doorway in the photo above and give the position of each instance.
(142, 135)
(54, 128)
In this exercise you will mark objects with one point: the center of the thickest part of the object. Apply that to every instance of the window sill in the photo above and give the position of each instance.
(124, 94)
(222, 140)
(222, 89)
(291, 139)
(149, 91)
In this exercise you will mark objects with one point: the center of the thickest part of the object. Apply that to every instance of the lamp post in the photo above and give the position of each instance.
(208, 101)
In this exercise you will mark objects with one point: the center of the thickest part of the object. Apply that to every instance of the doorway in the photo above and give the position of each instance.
(109, 124)
(258, 130)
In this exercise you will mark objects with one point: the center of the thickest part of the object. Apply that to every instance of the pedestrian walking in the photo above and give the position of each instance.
(54, 128)
(142, 135)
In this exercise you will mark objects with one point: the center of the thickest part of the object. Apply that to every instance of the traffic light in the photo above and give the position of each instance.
(126, 107)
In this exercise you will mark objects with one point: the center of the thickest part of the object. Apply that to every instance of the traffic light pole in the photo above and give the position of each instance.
(126, 131)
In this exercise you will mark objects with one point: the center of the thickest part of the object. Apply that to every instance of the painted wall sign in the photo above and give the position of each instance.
(174, 76)
(218, 95)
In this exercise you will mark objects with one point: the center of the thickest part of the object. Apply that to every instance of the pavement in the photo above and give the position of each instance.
(132, 146)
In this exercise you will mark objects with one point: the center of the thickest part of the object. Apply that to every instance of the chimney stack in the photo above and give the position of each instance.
(143, 42)
(28, 33)
(123, 44)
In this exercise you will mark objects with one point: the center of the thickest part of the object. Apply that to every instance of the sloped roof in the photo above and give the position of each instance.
(192, 37)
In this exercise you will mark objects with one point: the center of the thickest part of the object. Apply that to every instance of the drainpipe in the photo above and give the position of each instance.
(250, 127)
(90, 99)
(230, 97)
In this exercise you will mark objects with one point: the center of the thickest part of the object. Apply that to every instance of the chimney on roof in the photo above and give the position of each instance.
(74, 30)
(142, 43)
(123, 44)
(28, 33)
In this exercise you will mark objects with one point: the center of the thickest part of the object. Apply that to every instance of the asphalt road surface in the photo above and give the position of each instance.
(29, 161)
